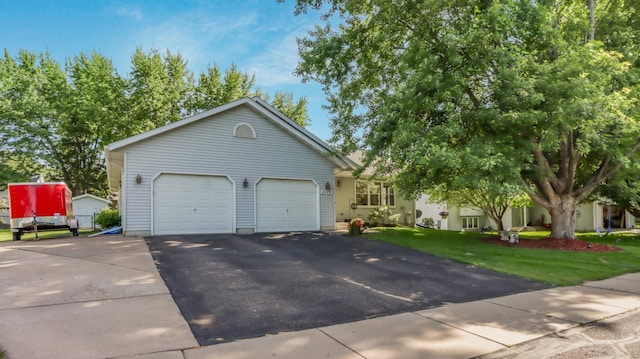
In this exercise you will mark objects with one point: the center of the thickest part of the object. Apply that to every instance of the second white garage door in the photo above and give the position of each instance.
(286, 205)
(192, 204)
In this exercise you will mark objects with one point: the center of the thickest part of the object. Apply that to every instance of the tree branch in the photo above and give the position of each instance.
(603, 173)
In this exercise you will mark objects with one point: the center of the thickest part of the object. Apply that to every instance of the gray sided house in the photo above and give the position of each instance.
(242, 167)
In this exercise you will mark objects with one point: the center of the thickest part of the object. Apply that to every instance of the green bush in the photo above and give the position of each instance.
(384, 215)
(108, 217)
(428, 221)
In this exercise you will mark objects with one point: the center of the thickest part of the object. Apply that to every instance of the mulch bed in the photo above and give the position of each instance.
(554, 243)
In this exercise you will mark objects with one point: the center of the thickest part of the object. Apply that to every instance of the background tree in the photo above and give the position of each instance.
(214, 89)
(161, 89)
(295, 110)
(623, 189)
(539, 94)
(56, 120)
(494, 200)
(27, 119)
(91, 113)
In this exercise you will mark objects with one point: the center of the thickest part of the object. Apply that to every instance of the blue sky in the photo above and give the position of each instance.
(258, 35)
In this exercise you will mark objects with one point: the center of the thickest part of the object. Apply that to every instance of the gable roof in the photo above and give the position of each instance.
(91, 196)
(114, 156)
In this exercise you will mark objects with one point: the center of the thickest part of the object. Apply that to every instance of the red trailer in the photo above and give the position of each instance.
(40, 206)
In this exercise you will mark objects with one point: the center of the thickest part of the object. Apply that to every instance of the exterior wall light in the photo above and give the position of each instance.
(245, 183)
(327, 186)
(138, 179)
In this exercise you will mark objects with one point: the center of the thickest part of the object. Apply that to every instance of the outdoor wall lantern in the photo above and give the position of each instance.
(245, 183)
(338, 183)
(138, 179)
(327, 186)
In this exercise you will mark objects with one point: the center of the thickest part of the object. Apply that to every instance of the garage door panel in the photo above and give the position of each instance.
(286, 205)
(190, 204)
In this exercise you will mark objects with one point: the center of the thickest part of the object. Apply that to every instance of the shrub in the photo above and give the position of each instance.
(428, 222)
(384, 215)
(108, 217)
(355, 226)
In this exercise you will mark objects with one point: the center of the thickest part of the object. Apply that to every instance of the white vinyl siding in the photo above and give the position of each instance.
(209, 146)
(88, 206)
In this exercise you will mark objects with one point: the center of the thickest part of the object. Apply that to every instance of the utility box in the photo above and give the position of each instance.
(40, 206)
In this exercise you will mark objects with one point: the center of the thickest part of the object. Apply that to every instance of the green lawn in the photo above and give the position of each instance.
(552, 266)
(5, 235)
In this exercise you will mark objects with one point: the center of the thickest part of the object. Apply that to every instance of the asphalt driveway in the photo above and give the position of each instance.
(230, 287)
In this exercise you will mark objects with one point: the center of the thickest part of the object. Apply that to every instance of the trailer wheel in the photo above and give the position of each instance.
(74, 232)
(16, 236)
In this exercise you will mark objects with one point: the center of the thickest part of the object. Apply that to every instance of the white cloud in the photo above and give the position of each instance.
(198, 35)
(131, 11)
(259, 38)
(276, 65)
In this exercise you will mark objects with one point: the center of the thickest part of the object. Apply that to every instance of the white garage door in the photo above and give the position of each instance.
(286, 205)
(189, 204)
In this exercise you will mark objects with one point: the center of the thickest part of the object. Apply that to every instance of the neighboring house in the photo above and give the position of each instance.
(4, 207)
(589, 216)
(357, 197)
(86, 206)
(431, 210)
(242, 167)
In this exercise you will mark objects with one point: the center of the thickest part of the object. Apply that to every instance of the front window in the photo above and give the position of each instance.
(470, 222)
(375, 193)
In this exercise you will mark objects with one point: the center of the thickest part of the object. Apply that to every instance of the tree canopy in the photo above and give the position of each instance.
(494, 200)
(538, 94)
(57, 119)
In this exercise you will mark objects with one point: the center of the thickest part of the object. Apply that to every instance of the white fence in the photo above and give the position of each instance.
(86, 221)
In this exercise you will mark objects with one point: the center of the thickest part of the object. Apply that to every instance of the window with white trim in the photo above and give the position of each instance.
(470, 222)
(375, 193)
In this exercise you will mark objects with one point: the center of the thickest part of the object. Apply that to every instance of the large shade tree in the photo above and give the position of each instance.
(540, 94)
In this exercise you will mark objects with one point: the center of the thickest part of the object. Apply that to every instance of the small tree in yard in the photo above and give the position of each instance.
(493, 200)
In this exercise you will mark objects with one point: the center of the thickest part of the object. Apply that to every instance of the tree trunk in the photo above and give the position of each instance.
(562, 211)
(498, 222)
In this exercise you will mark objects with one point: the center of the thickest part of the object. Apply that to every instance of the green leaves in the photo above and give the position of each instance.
(56, 120)
(455, 93)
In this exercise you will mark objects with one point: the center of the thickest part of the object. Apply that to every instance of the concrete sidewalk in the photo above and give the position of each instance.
(103, 298)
